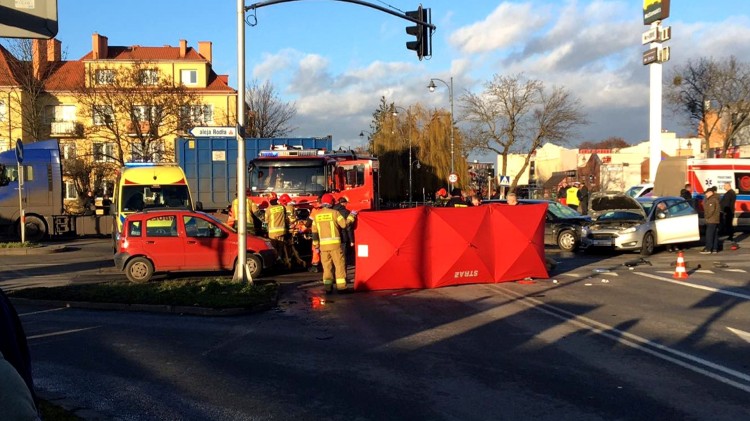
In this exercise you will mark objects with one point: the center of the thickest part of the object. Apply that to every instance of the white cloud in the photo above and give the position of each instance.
(505, 26)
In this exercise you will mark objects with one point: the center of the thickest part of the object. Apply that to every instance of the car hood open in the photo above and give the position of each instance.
(607, 202)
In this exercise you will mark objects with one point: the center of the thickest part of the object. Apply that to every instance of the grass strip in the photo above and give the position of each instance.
(210, 293)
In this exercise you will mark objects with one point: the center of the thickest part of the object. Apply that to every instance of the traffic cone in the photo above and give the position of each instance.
(735, 246)
(679, 270)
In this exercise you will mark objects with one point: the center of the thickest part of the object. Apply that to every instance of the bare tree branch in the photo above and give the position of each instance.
(268, 116)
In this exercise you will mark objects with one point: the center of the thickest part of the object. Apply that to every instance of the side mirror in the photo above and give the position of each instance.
(199, 206)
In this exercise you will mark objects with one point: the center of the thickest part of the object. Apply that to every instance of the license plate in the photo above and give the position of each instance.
(602, 242)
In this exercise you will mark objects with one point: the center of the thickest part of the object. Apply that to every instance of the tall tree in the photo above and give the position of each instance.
(714, 96)
(518, 115)
(613, 142)
(137, 110)
(30, 75)
(268, 116)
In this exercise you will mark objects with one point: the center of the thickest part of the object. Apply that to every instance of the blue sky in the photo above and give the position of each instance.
(335, 60)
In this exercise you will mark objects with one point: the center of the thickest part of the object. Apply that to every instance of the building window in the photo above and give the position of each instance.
(104, 76)
(68, 151)
(70, 190)
(60, 113)
(189, 77)
(3, 110)
(148, 77)
(104, 152)
(147, 113)
(103, 114)
(197, 115)
(154, 152)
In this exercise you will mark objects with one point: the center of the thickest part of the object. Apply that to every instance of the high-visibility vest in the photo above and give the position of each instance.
(326, 228)
(276, 220)
(572, 196)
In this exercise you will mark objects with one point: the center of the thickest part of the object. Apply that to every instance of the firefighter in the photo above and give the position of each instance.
(326, 229)
(250, 209)
(277, 228)
(291, 221)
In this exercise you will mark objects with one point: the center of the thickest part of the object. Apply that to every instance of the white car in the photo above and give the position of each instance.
(624, 223)
(640, 190)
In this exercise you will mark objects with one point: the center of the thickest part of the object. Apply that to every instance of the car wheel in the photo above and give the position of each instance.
(647, 248)
(139, 270)
(254, 265)
(567, 240)
(36, 229)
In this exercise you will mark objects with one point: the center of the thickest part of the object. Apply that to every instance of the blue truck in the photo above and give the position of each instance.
(210, 164)
(44, 211)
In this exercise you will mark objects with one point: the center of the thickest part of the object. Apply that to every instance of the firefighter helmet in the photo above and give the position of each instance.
(327, 199)
(284, 199)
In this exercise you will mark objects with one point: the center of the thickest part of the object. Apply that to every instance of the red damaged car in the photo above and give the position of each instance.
(186, 241)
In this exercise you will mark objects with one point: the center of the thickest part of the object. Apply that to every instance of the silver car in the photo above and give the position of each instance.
(624, 223)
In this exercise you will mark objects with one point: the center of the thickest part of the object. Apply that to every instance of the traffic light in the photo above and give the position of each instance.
(421, 31)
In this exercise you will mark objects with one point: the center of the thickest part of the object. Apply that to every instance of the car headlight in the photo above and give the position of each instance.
(585, 231)
(628, 230)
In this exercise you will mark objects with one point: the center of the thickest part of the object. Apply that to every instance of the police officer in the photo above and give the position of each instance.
(327, 224)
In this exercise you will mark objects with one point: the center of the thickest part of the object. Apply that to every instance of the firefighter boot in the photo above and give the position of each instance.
(340, 285)
(328, 285)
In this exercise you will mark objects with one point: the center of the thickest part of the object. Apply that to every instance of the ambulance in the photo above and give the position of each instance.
(145, 185)
(702, 173)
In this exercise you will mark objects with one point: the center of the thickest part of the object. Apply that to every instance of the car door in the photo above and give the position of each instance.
(679, 225)
(205, 245)
(162, 244)
(550, 228)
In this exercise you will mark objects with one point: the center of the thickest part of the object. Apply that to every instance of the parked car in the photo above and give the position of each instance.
(640, 190)
(624, 223)
(171, 240)
(563, 226)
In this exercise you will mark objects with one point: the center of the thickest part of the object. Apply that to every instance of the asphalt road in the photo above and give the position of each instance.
(598, 340)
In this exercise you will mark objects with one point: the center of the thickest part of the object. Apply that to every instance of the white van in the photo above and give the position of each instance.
(639, 190)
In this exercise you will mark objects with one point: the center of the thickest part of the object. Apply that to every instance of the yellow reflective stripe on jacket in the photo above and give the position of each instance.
(326, 224)
(276, 220)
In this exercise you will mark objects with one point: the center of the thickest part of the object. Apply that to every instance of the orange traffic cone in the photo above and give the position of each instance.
(679, 270)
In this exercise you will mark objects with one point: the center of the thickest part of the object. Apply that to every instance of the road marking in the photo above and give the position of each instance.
(741, 333)
(62, 332)
(41, 311)
(699, 365)
(735, 270)
(572, 275)
(705, 271)
(664, 271)
(696, 286)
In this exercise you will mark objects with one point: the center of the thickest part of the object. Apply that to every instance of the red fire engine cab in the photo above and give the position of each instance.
(306, 174)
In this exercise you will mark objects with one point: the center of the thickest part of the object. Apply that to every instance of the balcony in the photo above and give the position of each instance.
(66, 129)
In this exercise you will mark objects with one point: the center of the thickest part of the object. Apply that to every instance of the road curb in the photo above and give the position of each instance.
(149, 308)
(24, 251)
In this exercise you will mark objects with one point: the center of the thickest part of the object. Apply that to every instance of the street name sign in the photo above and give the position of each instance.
(213, 132)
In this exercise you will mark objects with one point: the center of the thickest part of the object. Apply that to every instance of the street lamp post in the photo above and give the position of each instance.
(432, 88)
(369, 141)
(395, 113)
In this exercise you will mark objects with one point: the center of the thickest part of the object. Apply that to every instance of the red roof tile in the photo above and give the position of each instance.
(147, 53)
(7, 78)
(68, 76)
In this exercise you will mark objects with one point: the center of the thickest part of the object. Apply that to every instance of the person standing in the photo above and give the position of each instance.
(291, 223)
(456, 200)
(276, 222)
(562, 193)
(727, 208)
(572, 196)
(347, 234)
(687, 194)
(583, 199)
(326, 231)
(712, 215)
(511, 199)
(89, 204)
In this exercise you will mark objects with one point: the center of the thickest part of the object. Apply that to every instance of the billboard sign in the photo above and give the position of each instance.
(655, 10)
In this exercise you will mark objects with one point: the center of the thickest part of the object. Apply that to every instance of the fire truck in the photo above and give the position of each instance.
(306, 174)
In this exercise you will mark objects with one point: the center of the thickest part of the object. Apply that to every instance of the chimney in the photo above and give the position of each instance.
(99, 46)
(38, 57)
(204, 48)
(54, 50)
(183, 48)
